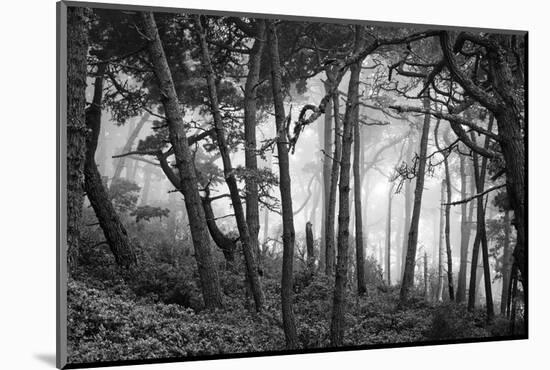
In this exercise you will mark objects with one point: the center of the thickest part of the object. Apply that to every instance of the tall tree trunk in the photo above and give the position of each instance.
(447, 186)
(359, 246)
(441, 263)
(410, 262)
(231, 181)
(77, 50)
(309, 248)
(184, 163)
(113, 229)
(425, 275)
(330, 251)
(506, 264)
(147, 174)
(351, 115)
(134, 133)
(481, 236)
(250, 150)
(465, 228)
(327, 166)
(289, 326)
(408, 210)
(388, 235)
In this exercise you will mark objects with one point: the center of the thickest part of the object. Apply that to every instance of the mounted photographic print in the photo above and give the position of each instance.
(237, 185)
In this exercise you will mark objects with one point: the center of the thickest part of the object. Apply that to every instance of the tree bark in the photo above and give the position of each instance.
(388, 236)
(351, 115)
(410, 261)
(440, 265)
(465, 228)
(359, 246)
(289, 326)
(506, 264)
(330, 252)
(408, 210)
(184, 163)
(113, 229)
(77, 50)
(481, 236)
(327, 165)
(230, 179)
(250, 153)
(309, 248)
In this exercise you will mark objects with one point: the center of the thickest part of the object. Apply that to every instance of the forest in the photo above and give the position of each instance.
(249, 185)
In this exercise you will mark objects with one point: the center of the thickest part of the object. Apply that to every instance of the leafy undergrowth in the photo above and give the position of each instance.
(111, 322)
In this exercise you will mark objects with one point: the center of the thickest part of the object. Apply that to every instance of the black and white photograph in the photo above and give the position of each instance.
(240, 184)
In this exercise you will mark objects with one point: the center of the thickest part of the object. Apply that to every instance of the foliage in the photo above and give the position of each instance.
(148, 212)
(124, 194)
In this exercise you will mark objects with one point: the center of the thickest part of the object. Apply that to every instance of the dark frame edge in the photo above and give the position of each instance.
(61, 185)
(289, 17)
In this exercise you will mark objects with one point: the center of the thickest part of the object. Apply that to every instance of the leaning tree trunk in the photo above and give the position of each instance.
(359, 247)
(410, 261)
(330, 252)
(250, 150)
(506, 264)
(289, 326)
(147, 174)
(230, 179)
(465, 228)
(77, 49)
(121, 162)
(351, 115)
(113, 229)
(184, 163)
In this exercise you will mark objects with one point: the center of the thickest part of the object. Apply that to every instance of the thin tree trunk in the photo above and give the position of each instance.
(506, 264)
(359, 246)
(351, 115)
(309, 248)
(464, 234)
(440, 264)
(330, 252)
(408, 211)
(113, 229)
(77, 50)
(289, 326)
(481, 237)
(184, 163)
(410, 262)
(231, 181)
(327, 168)
(147, 174)
(388, 235)
(121, 162)
(425, 276)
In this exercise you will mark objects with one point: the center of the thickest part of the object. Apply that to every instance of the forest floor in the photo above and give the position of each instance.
(112, 319)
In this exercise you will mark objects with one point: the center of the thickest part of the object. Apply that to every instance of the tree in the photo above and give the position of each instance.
(464, 234)
(77, 49)
(289, 326)
(121, 163)
(351, 115)
(388, 235)
(410, 261)
(359, 247)
(184, 163)
(113, 229)
(229, 175)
